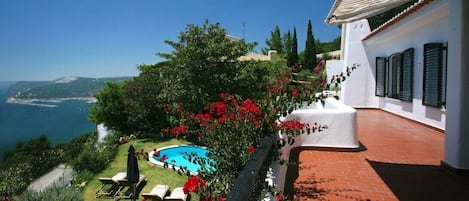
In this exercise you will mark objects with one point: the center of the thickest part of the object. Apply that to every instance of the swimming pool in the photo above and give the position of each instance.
(175, 156)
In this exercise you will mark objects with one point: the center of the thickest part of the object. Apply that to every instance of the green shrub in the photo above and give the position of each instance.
(15, 179)
(94, 157)
(53, 194)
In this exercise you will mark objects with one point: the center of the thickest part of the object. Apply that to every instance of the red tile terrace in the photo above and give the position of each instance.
(399, 159)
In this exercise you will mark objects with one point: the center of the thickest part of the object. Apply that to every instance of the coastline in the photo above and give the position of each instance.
(43, 102)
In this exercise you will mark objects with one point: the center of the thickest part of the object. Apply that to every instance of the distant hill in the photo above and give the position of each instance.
(67, 87)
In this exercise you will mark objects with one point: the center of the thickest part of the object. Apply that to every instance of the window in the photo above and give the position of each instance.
(434, 75)
(394, 75)
(380, 76)
(406, 93)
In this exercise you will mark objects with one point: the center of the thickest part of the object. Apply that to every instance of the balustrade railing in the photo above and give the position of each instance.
(251, 181)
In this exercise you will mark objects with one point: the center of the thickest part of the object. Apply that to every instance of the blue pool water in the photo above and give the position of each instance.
(176, 156)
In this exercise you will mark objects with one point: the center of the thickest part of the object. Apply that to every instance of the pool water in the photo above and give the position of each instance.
(178, 155)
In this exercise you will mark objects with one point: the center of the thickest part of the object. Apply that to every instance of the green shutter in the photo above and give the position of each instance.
(380, 89)
(432, 74)
(406, 93)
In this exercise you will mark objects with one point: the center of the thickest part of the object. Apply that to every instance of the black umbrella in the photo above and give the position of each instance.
(133, 174)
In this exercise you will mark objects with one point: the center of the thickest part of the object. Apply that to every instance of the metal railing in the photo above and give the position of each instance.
(251, 181)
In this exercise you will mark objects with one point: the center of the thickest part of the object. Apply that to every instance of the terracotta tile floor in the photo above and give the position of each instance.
(399, 160)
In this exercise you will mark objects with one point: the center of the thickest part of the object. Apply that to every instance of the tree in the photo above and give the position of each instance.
(146, 97)
(275, 42)
(310, 59)
(204, 63)
(378, 20)
(110, 108)
(287, 43)
(293, 57)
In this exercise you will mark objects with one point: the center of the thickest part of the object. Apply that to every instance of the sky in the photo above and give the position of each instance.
(50, 39)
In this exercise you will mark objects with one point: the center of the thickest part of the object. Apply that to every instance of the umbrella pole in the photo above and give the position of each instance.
(135, 192)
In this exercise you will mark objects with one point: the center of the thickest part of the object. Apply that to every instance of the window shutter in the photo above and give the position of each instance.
(432, 74)
(380, 89)
(395, 63)
(406, 93)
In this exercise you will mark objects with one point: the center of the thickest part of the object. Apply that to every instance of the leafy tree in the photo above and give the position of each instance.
(146, 97)
(310, 59)
(110, 108)
(204, 64)
(293, 57)
(275, 42)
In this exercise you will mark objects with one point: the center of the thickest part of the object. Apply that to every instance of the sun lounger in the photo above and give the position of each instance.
(177, 195)
(125, 190)
(157, 193)
(108, 187)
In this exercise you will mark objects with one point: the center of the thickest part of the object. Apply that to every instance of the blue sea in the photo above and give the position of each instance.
(60, 124)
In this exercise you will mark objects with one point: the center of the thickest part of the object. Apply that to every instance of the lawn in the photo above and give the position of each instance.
(154, 174)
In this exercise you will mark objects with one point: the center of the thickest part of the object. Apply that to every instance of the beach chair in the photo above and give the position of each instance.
(177, 195)
(125, 190)
(108, 187)
(157, 193)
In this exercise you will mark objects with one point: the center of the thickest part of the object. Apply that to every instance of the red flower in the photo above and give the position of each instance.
(163, 158)
(251, 149)
(295, 92)
(279, 197)
(179, 130)
(180, 107)
(224, 96)
(193, 184)
(222, 119)
(293, 125)
(203, 118)
(157, 153)
(222, 199)
(221, 108)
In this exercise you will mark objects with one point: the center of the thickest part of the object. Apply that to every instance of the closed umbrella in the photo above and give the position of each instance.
(133, 174)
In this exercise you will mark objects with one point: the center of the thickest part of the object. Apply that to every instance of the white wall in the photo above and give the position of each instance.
(457, 132)
(429, 24)
(358, 89)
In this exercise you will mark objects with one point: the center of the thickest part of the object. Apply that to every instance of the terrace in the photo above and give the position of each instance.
(399, 159)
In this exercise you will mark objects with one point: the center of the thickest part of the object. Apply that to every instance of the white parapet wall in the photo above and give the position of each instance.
(341, 132)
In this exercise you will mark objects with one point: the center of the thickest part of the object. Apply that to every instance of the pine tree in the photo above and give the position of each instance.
(293, 58)
(275, 42)
(310, 59)
(287, 43)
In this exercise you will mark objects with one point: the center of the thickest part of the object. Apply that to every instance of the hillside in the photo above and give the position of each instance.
(67, 87)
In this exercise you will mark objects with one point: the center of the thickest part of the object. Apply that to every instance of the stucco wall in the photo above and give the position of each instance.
(429, 24)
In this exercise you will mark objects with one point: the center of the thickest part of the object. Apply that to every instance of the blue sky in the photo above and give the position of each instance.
(49, 39)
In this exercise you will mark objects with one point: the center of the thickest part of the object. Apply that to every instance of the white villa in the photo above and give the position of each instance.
(416, 65)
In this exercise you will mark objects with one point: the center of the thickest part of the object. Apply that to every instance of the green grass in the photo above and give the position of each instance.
(154, 174)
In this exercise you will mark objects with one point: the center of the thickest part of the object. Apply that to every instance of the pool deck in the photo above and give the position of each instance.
(399, 159)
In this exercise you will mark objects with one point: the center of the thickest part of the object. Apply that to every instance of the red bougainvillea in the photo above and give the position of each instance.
(193, 184)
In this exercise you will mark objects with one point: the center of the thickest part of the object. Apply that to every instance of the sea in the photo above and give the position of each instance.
(60, 122)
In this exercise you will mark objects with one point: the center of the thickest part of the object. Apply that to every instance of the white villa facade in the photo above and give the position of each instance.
(417, 66)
